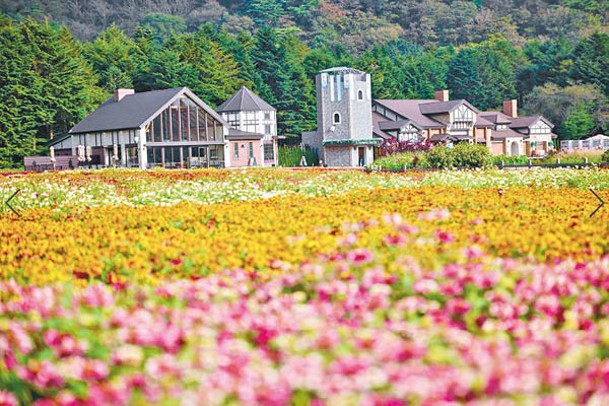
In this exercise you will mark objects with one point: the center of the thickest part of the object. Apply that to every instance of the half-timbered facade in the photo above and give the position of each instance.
(443, 120)
(249, 114)
(171, 128)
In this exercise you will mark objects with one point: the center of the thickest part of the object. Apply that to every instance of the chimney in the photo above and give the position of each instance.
(510, 108)
(120, 93)
(441, 95)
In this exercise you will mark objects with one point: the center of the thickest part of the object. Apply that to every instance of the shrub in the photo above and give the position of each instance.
(511, 159)
(471, 155)
(398, 162)
(392, 146)
(441, 157)
(290, 156)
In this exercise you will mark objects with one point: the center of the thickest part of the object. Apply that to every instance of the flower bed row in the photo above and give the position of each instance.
(64, 191)
(341, 328)
(155, 243)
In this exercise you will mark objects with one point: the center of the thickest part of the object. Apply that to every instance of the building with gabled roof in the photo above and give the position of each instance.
(444, 120)
(248, 113)
(347, 131)
(170, 128)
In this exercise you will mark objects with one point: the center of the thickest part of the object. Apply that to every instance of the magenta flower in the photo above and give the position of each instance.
(8, 399)
(359, 256)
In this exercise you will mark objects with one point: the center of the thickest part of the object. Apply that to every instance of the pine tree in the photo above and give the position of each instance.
(110, 56)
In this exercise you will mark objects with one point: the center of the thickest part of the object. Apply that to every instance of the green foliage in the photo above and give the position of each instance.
(484, 73)
(462, 155)
(163, 26)
(591, 61)
(217, 73)
(291, 156)
(467, 155)
(401, 161)
(510, 160)
(576, 111)
(45, 87)
(110, 56)
(580, 123)
(281, 80)
(484, 51)
(441, 157)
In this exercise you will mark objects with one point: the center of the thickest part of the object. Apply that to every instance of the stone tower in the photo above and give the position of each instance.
(344, 118)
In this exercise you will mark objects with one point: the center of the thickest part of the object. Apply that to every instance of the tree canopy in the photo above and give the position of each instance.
(554, 60)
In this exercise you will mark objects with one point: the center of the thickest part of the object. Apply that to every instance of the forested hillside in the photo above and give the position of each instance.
(60, 58)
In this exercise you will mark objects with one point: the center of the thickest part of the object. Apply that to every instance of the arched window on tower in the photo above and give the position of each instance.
(336, 118)
(360, 95)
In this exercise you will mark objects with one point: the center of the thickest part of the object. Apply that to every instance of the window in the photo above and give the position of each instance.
(251, 146)
(336, 118)
(175, 121)
(360, 95)
(269, 152)
(267, 129)
(236, 145)
(267, 116)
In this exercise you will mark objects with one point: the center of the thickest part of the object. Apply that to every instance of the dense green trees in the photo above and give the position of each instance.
(577, 111)
(46, 86)
(553, 60)
(485, 73)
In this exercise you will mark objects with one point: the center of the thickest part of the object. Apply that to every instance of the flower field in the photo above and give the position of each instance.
(317, 287)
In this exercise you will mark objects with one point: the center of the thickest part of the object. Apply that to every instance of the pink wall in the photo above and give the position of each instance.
(244, 153)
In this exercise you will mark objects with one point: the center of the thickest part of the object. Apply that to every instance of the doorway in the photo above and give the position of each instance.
(514, 149)
(361, 156)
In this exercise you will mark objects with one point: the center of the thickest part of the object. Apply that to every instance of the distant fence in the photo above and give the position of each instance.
(44, 163)
(584, 144)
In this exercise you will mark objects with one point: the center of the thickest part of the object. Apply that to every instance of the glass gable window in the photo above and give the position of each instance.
(184, 129)
(175, 121)
(192, 120)
(185, 121)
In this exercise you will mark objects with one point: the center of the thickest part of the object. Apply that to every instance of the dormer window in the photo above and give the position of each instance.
(336, 118)
(360, 95)
(501, 127)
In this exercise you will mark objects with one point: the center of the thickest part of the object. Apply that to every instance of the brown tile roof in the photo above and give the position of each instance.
(439, 107)
(235, 134)
(482, 122)
(376, 130)
(507, 133)
(496, 117)
(528, 121)
(410, 109)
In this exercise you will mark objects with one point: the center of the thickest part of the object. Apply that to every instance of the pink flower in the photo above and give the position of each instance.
(359, 256)
(98, 295)
(444, 237)
(96, 370)
(394, 240)
(8, 399)
(458, 306)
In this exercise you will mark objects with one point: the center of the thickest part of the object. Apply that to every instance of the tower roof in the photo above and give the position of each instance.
(245, 100)
(343, 70)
